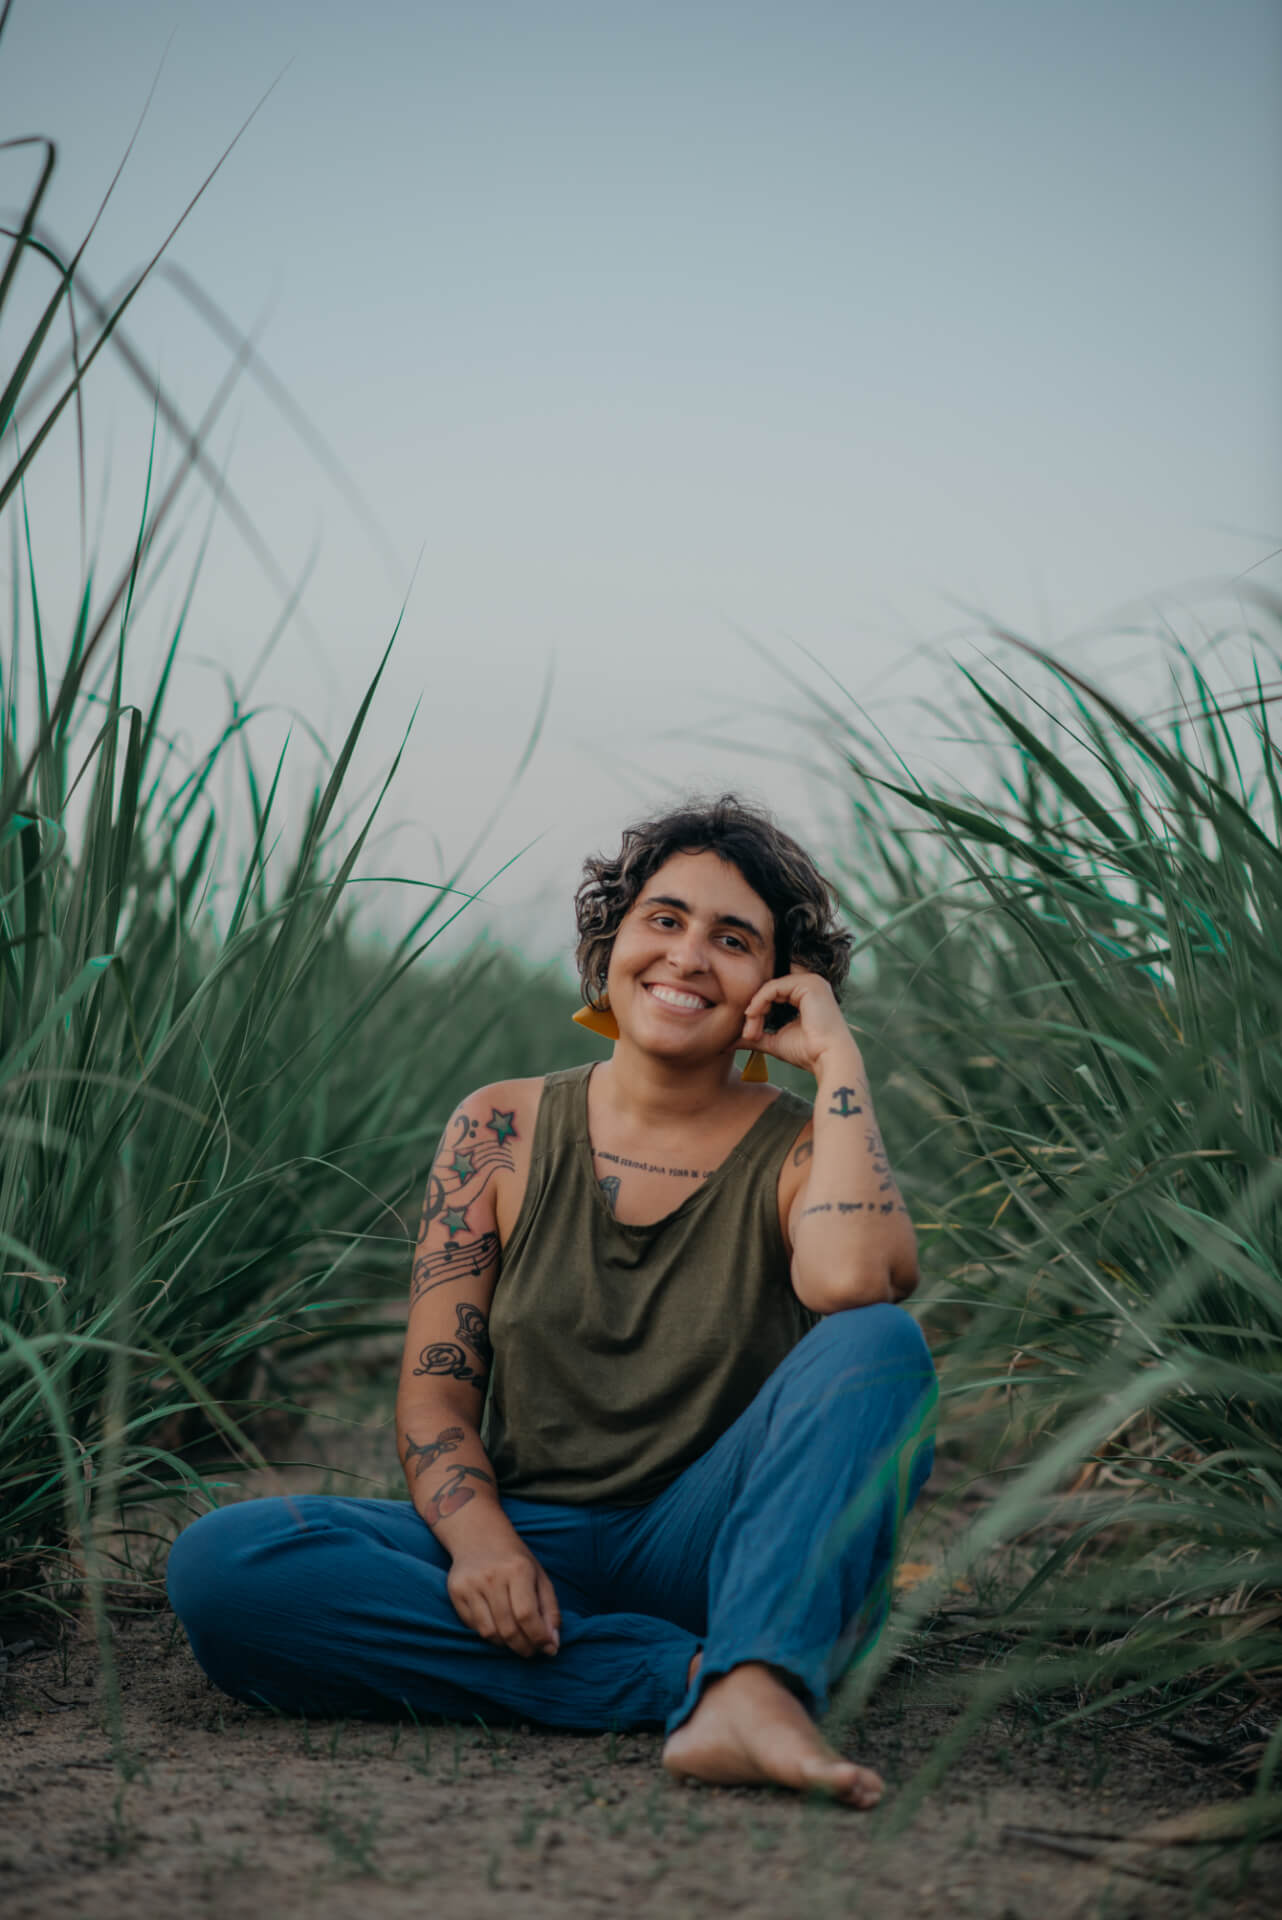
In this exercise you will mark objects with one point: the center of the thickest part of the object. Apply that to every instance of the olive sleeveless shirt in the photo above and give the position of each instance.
(621, 1352)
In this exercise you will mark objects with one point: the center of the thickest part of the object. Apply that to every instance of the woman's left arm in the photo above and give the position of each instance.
(852, 1242)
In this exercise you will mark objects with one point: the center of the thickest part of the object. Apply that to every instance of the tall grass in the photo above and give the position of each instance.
(217, 1100)
(210, 1122)
(1073, 1001)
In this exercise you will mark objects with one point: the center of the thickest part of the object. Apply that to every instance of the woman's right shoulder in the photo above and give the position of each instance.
(503, 1111)
(500, 1119)
(506, 1110)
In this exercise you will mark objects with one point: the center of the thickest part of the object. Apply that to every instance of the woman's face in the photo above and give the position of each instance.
(688, 957)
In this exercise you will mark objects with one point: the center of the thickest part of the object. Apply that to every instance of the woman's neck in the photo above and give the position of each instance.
(655, 1095)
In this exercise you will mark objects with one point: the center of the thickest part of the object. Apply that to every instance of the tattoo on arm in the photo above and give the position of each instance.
(855, 1206)
(443, 1357)
(880, 1164)
(451, 1262)
(461, 1171)
(846, 1106)
(877, 1158)
(433, 1202)
(610, 1188)
(474, 1332)
(453, 1493)
(423, 1454)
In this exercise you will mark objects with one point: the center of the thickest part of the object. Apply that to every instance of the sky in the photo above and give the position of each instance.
(677, 351)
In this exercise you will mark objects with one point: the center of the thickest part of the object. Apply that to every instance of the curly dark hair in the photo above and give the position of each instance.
(802, 902)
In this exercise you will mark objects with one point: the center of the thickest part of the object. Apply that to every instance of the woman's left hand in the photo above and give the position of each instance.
(818, 1032)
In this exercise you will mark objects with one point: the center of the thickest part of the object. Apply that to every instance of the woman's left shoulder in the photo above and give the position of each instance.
(790, 1108)
(796, 1122)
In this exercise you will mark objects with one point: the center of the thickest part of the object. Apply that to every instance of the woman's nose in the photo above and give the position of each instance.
(689, 954)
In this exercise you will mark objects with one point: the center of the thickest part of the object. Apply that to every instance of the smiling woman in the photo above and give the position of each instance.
(660, 1409)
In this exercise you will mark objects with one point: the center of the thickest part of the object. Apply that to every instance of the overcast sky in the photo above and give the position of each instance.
(643, 328)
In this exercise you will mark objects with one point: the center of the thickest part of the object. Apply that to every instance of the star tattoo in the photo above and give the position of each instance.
(463, 1166)
(500, 1124)
(455, 1220)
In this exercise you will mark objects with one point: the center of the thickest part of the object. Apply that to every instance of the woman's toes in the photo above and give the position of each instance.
(859, 1786)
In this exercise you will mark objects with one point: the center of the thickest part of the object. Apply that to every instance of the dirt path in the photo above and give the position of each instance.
(234, 1813)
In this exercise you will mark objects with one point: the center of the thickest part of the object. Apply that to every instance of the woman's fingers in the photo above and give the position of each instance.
(551, 1613)
(510, 1632)
(511, 1606)
(474, 1611)
(786, 988)
(527, 1607)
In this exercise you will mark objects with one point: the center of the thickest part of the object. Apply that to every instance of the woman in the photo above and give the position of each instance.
(659, 1412)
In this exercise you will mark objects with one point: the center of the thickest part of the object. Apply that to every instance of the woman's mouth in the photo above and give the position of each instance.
(675, 1000)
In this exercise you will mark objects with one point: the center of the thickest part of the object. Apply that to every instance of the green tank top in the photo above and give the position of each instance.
(622, 1352)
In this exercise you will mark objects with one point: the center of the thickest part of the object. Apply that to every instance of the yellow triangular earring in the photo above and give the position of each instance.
(601, 1020)
(598, 1020)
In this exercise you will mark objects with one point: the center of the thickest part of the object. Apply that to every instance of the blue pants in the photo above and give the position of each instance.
(776, 1545)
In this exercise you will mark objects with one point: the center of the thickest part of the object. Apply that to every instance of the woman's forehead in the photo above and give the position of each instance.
(708, 884)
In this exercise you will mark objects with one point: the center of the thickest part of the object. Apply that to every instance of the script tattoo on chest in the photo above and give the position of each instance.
(647, 1166)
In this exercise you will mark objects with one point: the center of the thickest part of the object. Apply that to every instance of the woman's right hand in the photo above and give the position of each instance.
(502, 1593)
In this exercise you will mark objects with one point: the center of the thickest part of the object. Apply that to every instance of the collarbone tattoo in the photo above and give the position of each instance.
(650, 1166)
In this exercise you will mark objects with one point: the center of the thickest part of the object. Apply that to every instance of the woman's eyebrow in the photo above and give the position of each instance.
(723, 919)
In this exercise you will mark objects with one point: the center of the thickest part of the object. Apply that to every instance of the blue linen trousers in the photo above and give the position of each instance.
(776, 1545)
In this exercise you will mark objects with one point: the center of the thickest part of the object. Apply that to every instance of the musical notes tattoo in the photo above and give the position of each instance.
(451, 1262)
(467, 1160)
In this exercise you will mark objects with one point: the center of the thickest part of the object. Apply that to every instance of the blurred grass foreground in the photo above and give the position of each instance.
(1069, 983)
(217, 1102)
(1074, 1008)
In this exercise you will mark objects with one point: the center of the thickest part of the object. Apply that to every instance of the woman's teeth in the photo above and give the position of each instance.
(687, 1001)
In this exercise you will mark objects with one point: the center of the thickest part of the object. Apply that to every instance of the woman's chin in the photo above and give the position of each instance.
(669, 1050)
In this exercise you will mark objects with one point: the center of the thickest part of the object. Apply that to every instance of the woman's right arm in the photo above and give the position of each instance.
(495, 1584)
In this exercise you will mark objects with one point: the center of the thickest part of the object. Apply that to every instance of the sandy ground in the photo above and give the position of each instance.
(227, 1811)
(230, 1812)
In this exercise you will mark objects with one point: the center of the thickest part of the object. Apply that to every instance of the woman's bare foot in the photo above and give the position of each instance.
(748, 1730)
